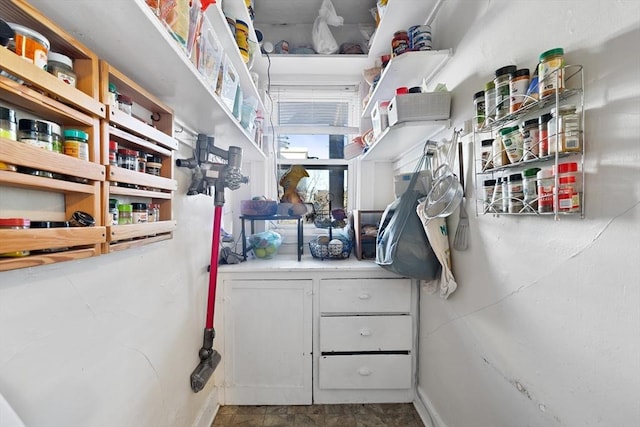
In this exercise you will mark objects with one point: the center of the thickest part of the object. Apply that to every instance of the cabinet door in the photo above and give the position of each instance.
(268, 340)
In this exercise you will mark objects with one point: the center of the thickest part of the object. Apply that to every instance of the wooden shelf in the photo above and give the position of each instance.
(118, 233)
(49, 258)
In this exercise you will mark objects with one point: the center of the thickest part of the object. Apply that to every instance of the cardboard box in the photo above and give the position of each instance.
(365, 230)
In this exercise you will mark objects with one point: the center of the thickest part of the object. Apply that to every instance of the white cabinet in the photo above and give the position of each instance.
(267, 342)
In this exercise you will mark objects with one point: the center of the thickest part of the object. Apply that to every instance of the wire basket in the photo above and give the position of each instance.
(330, 250)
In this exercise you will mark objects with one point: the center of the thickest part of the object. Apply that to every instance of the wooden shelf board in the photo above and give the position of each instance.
(49, 258)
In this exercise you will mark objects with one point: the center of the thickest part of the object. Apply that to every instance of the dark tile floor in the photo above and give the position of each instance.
(345, 415)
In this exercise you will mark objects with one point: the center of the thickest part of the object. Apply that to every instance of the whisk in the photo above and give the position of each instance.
(461, 239)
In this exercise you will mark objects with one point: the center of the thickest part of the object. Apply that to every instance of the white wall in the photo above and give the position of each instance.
(112, 340)
(544, 327)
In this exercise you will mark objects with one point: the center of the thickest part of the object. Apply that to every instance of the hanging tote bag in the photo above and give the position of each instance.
(402, 245)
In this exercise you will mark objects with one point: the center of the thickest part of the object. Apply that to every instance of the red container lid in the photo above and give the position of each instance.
(14, 222)
(113, 145)
(567, 167)
(402, 90)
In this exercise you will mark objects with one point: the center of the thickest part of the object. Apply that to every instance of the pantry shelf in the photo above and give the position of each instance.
(44, 259)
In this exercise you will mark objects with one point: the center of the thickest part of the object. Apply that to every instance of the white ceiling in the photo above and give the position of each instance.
(286, 12)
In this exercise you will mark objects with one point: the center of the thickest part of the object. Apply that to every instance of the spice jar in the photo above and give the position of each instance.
(513, 142)
(112, 96)
(56, 137)
(551, 72)
(127, 159)
(489, 100)
(515, 193)
(488, 187)
(113, 153)
(479, 104)
(61, 66)
(125, 214)
(486, 154)
(125, 104)
(518, 85)
(142, 161)
(498, 154)
(36, 133)
(567, 137)
(154, 165)
(76, 144)
(8, 124)
(501, 82)
(529, 189)
(530, 141)
(543, 134)
(139, 213)
(498, 198)
(81, 219)
(568, 187)
(399, 43)
(14, 224)
(113, 212)
(546, 183)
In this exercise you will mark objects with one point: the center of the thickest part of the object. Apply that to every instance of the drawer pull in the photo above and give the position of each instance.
(364, 371)
(364, 296)
(365, 332)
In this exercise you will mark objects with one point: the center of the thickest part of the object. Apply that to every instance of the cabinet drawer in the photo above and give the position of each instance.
(365, 333)
(370, 371)
(365, 296)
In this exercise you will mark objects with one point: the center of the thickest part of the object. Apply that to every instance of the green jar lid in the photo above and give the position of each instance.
(112, 88)
(551, 52)
(126, 207)
(507, 130)
(75, 133)
(530, 173)
(489, 85)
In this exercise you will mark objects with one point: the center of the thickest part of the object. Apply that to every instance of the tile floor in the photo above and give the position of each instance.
(345, 415)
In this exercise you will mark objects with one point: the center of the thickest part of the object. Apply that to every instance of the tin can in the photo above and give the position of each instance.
(399, 43)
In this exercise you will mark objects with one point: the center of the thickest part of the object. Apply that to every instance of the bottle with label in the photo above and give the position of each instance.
(551, 72)
(501, 82)
(76, 144)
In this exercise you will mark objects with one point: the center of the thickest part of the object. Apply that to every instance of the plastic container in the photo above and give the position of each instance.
(128, 159)
(543, 134)
(530, 189)
(380, 118)
(567, 136)
(81, 219)
(569, 187)
(113, 212)
(489, 100)
(545, 181)
(61, 66)
(30, 45)
(498, 154)
(8, 124)
(530, 140)
(486, 154)
(125, 104)
(551, 72)
(265, 245)
(479, 106)
(501, 82)
(513, 142)
(14, 224)
(142, 161)
(76, 144)
(488, 187)
(515, 193)
(125, 214)
(113, 153)
(518, 85)
(36, 133)
(400, 43)
(139, 213)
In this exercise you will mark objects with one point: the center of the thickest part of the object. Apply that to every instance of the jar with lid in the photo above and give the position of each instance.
(125, 214)
(14, 224)
(125, 104)
(113, 212)
(399, 43)
(518, 85)
(76, 144)
(543, 134)
(112, 96)
(529, 189)
(498, 198)
(81, 219)
(36, 133)
(8, 124)
(479, 105)
(127, 159)
(113, 153)
(567, 137)
(530, 141)
(488, 186)
(142, 161)
(140, 213)
(61, 66)
(486, 154)
(498, 154)
(512, 141)
(57, 144)
(551, 72)
(489, 100)
(154, 165)
(515, 193)
(568, 187)
(545, 181)
(501, 82)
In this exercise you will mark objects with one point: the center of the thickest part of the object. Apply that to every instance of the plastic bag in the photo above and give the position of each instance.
(402, 245)
(264, 245)
(323, 40)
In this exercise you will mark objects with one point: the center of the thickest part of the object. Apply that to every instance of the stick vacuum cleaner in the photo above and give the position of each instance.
(218, 169)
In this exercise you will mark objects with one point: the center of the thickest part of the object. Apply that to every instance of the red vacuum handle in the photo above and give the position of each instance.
(213, 269)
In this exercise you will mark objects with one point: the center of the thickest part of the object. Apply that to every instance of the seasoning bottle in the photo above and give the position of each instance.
(529, 189)
(501, 82)
(488, 187)
(399, 43)
(57, 145)
(127, 159)
(113, 153)
(113, 212)
(112, 97)
(479, 104)
(8, 124)
(569, 125)
(81, 219)
(139, 213)
(515, 193)
(498, 155)
(125, 104)
(546, 183)
(125, 214)
(154, 165)
(142, 161)
(568, 188)
(486, 154)
(36, 133)
(543, 134)
(512, 142)
(551, 72)
(76, 144)
(489, 100)
(518, 85)
(151, 213)
(14, 224)
(61, 66)
(530, 141)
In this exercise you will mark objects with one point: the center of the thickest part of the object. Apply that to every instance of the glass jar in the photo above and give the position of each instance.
(515, 193)
(14, 224)
(486, 154)
(543, 134)
(546, 183)
(551, 72)
(61, 66)
(112, 97)
(56, 137)
(36, 133)
(154, 165)
(501, 82)
(127, 159)
(518, 85)
(140, 213)
(125, 104)
(529, 189)
(76, 144)
(567, 137)
(489, 100)
(142, 161)
(81, 219)
(113, 212)
(125, 214)
(530, 141)
(479, 105)
(8, 124)
(399, 43)
(113, 153)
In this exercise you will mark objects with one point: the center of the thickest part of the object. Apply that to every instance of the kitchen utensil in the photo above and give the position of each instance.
(460, 241)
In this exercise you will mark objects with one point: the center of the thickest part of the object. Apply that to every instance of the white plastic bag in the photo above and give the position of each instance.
(323, 40)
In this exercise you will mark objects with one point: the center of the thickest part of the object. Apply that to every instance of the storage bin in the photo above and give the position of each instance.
(379, 118)
(230, 81)
(412, 107)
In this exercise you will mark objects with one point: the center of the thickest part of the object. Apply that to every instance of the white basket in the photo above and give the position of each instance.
(412, 107)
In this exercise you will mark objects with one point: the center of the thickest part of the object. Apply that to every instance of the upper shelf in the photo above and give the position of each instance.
(396, 140)
(310, 69)
(135, 42)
